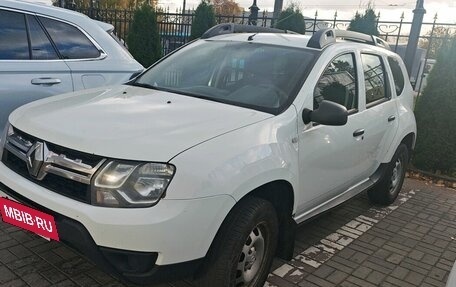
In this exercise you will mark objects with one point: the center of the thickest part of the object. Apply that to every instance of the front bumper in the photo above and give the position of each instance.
(132, 266)
(158, 242)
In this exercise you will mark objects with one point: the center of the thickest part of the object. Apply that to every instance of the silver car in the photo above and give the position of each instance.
(45, 50)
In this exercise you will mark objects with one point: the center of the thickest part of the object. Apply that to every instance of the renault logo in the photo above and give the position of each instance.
(35, 158)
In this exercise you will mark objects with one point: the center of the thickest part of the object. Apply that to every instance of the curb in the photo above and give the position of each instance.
(438, 180)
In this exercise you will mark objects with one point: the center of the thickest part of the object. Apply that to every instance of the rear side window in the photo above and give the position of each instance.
(374, 78)
(41, 47)
(13, 36)
(398, 75)
(70, 41)
(338, 83)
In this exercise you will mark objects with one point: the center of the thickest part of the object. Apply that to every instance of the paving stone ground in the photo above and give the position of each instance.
(412, 244)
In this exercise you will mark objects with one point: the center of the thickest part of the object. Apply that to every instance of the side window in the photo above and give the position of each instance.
(13, 36)
(374, 78)
(338, 83)
(41, 46)
(398, 75)
(71, 43)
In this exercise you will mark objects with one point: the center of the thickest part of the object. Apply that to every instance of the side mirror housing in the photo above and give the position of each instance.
(328, 113)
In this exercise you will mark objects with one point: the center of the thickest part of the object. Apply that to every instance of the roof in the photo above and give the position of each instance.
(319, 40)
(290, 40)
(41, 8)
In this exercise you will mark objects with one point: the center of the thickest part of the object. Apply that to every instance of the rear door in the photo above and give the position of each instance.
(30, 67)
(81, 53)
(380, 114)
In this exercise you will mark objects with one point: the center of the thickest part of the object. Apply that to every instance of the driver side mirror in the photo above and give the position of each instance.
(328, 113)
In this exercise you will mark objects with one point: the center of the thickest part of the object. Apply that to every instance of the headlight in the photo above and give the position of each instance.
(129, 184)
(6, 132)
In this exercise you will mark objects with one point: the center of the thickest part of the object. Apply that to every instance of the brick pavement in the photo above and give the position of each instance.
(412, 245)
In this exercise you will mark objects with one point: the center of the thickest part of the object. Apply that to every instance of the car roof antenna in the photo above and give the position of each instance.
(250, 38)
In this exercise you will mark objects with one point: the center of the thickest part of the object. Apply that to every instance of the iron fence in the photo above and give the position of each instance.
(175, 30)
(176, 27)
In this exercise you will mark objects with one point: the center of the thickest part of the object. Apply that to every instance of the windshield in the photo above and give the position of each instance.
(258, 76)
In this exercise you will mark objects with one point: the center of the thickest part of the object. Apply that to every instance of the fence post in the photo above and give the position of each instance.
(399, 32)
(278, 5)
(315, 22)
(378, 21)
(415, 31)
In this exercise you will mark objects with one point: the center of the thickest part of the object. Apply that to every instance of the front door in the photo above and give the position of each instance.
(332, 158)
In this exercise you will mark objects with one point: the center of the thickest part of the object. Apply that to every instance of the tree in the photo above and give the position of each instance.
(204, 19)
(439, 35)
(143, 39)
(226, 7)
(436, 116)
(291, 19)
(120, 4)
(366, 23)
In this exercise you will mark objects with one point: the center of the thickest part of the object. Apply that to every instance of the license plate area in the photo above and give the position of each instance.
(28, 218)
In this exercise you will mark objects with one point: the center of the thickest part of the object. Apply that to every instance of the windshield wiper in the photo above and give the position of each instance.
(177, 91)
(147, 86)
(198, 96)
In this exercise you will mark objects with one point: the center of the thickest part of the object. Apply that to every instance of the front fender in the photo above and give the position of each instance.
(236, 163)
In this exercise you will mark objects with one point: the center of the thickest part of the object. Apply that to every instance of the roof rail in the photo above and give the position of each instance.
(324, 37)
(362, 38)
(229, 28)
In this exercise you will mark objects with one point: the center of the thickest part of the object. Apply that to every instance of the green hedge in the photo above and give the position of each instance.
(291, 19)
(143, 39)
(366, 23)
(436, 116)
(204, 19)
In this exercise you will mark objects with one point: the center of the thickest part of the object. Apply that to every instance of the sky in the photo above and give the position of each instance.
(389, 9)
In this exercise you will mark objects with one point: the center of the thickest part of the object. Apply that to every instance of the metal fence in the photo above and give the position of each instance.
(175, 30)
(178, 25)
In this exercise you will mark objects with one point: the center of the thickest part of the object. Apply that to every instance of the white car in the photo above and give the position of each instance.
(204, 164)
(45, 51)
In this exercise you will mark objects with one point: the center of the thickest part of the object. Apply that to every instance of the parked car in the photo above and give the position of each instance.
(45, 50)
(205, 163)
(452, 277)
(426, 67)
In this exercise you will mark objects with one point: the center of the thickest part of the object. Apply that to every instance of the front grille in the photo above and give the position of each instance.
(62, 182)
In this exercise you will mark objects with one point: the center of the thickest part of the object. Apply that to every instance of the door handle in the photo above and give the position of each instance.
(46, 81)
(358, 133)
(391, 118)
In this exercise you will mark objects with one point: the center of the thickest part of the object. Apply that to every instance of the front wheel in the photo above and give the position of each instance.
(388, 188)
(244, 248)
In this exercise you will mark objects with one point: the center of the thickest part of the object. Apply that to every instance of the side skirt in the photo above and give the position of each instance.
(343, 196)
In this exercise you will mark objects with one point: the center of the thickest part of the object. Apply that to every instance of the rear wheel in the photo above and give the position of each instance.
(244, 248)
(387, 189)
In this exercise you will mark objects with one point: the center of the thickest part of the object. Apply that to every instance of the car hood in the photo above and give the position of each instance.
(129, 122)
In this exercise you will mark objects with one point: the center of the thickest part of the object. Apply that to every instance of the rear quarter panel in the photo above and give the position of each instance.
(406, 116)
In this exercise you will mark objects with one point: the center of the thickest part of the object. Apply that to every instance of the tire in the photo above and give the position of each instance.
(244, 248)
(387, 189)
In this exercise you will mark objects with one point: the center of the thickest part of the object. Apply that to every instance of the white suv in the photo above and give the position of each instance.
(45, 51)
(205, 164)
